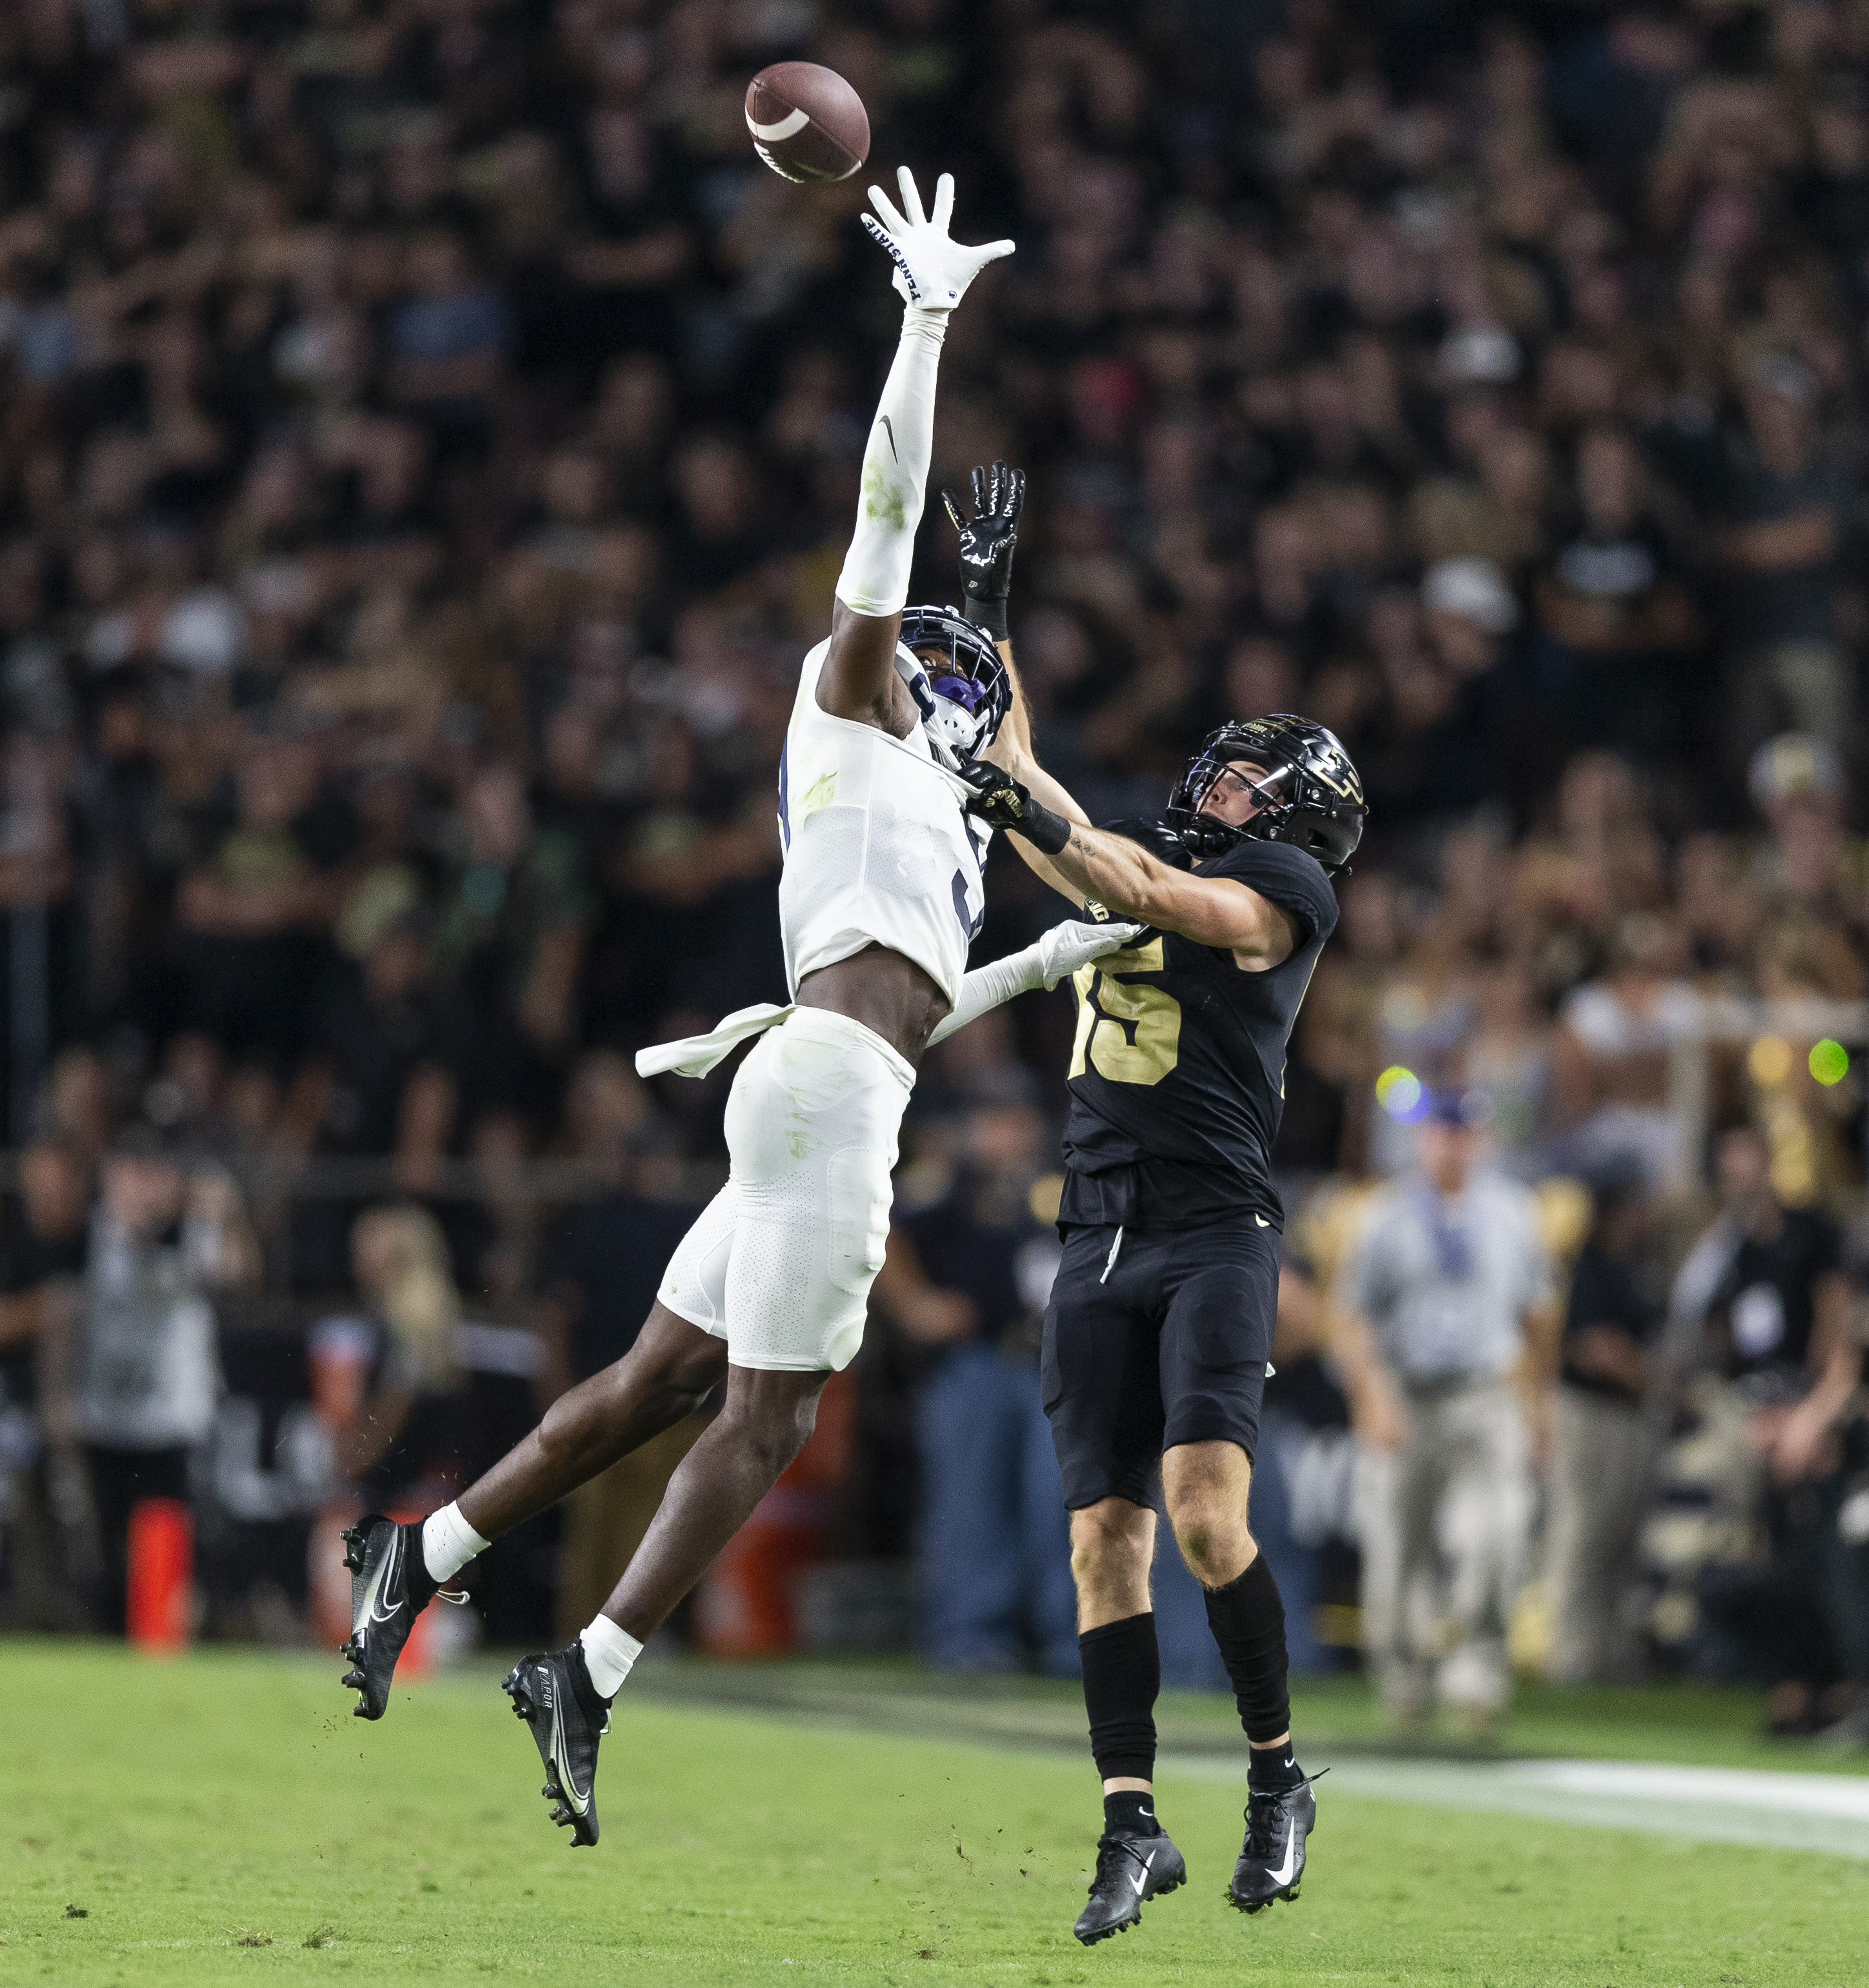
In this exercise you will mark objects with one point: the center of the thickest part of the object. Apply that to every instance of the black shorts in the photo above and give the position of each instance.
(1170, 1347)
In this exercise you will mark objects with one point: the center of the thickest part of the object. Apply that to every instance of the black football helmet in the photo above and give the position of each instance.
(1310, 795)
(964, 700)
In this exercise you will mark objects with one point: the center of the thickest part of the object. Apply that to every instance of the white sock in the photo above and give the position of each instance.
(609, 1652)
(448, 1543)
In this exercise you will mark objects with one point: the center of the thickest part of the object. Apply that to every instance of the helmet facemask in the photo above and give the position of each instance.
(965, 692)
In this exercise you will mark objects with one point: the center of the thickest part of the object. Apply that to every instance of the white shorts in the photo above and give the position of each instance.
(779, 1264)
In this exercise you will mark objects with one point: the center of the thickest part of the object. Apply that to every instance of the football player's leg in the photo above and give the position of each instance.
(1216, 1337)
(766, 1420)
(1098, 1373)
(564, 1696)
(679, 1358)
(397, 1569)
(663, 1378)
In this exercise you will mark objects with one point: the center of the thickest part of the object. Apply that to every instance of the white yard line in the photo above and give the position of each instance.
(1712, 1804)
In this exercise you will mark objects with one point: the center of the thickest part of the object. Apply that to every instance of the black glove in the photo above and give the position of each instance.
(1007, 804)
(986, 543)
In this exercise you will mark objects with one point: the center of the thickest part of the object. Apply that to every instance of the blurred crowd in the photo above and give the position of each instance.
(428, 440)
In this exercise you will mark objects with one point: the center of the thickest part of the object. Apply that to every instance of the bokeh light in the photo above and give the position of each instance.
(1829, 1062)
(1400, 1093)
(1770, 1061)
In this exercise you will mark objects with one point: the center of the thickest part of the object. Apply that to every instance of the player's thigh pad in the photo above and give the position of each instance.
(1217, 1336)
(1100, 1376)
(694, 1286)
(811, 1128)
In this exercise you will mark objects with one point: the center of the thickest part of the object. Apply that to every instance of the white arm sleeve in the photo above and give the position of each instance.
(1047, 961)
(875, 580)
(987, 986)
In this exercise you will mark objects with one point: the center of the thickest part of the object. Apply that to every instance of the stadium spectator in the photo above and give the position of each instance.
(1782, 1334)
(404, 1442)
(42, 1256)
(1443, 1328)
(421, 448)
(1603, 1437)
(136, 1379)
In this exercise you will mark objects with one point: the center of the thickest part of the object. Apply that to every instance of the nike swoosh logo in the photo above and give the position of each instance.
(373, 1610)
(1261, 1221)
(1283, 1875)
(1140, 1882)
(891, 433)
(561, 1760)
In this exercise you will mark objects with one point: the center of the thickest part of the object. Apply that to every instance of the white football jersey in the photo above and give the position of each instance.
(879, 850)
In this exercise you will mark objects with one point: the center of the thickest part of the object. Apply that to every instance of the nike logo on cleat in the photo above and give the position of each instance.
(1283, 1875)
(1139, 1882)
(568, 1792)
(373, 1610)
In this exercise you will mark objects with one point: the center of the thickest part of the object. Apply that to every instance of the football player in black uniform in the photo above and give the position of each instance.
(1161, 1317)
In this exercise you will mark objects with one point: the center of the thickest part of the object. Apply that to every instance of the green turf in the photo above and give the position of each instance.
(222, 1819)
(1673, 1722)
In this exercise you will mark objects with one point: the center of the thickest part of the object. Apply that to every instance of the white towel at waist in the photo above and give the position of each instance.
(695, 1056)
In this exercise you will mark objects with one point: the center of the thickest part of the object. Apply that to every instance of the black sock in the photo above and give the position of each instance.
(1130, 1812)
(1122, 1675)
(1274, 1767)
(1247, 1619)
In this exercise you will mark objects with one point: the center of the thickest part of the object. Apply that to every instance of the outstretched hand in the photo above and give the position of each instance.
(1003, 802)
(932, 269)
(1074, 944)
(989, 538)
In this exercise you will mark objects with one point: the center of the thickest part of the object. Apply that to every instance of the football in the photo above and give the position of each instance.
(807, 123)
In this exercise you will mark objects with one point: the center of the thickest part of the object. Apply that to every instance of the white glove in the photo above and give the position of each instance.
(931, 270)
(1067, 947)
(1044, 962)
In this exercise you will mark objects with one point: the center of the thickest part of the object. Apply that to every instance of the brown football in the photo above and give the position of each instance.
(807, 123)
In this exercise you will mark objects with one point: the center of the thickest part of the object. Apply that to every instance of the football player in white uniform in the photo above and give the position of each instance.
(880, 898)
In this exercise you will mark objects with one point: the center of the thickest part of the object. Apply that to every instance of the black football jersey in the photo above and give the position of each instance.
(1177, 1074)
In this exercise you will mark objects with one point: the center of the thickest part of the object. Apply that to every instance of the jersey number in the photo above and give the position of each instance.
(1128, 1031)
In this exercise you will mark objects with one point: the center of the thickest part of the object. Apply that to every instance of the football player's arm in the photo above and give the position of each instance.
(1011, 752)
(989, 540)
(1060, 953)
(1218, 911)
(858, 680)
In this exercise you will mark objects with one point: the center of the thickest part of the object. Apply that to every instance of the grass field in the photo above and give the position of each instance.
(221, 1818)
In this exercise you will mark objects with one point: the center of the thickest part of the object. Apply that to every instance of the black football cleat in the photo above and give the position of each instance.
(1272, 1859)
(390, 1587)
(556, 1698)
(1130, 1869)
